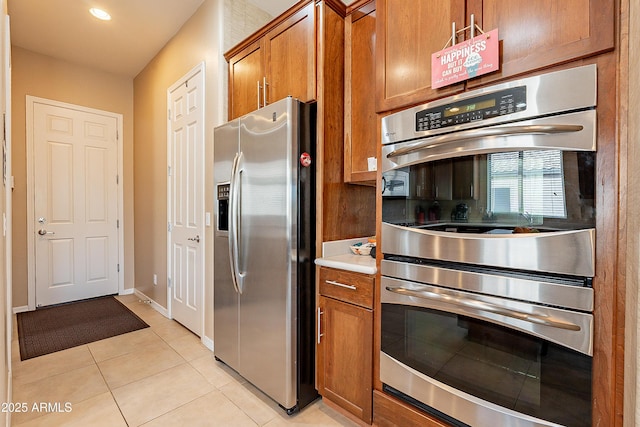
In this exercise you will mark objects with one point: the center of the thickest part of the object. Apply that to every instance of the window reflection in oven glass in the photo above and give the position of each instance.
(497, 364)
(549, 189)
(527, 181)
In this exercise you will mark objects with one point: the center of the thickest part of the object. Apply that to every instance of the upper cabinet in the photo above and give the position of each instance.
(246, 76)
(264, 70)
(301, 54)
(360, 121)
(408, 32)
(534, 34)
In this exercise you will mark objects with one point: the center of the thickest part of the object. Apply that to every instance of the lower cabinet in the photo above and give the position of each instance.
(345, 340)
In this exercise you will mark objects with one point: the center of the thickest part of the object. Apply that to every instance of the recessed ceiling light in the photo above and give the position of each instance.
(100, 14)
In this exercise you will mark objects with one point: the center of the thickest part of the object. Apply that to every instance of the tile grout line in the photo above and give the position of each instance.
(109, 388)
(185, 362)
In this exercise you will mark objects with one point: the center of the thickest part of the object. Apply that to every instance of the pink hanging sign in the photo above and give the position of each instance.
(468, 59)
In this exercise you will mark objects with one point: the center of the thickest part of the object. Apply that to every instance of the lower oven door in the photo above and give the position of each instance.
(476, 360)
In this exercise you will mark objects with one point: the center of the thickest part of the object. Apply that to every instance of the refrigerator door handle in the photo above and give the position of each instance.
(233, 221)
(238, 225)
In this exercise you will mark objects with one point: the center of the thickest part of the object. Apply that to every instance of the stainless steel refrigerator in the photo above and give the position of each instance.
(264, 246)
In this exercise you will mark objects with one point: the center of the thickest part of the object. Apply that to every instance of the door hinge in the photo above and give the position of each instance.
(169, 114)
(118, 268)
(169, 227)
(117, 179)
(168, 282)
(117, 223)
(117, 135)
(169, 170)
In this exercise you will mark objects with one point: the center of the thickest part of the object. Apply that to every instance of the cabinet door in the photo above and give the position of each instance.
(540, 33)
(408, 32)
(245, 75)
(360, 136)
(345, 353)
(443, 180)
(464, 179)
(290, 59)
(432, 180)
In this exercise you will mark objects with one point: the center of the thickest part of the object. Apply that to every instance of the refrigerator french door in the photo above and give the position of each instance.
(264, 281)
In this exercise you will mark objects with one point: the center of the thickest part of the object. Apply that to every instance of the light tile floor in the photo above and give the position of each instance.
(158, 376)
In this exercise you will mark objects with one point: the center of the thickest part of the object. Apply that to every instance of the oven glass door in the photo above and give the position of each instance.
(494, 363)
(501, 192)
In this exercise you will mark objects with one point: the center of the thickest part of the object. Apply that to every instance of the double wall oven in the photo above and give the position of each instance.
(488, 238)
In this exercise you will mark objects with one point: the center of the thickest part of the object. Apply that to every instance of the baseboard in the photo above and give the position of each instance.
(20, 309)
(157, 307)
(207, 342)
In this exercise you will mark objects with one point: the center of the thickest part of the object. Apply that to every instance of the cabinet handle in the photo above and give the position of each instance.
(320, 313)
(259, 94)
(453, 33)
(264, 91)
(342, 285)
(473, 25)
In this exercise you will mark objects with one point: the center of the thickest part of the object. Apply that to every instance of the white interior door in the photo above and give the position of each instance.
(186, 199)
(75, 204)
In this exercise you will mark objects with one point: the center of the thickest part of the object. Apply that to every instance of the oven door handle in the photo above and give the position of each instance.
(484, 306)
(488, 132)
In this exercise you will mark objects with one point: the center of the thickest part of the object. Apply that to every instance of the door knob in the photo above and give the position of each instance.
(195, 239)
(44, 232)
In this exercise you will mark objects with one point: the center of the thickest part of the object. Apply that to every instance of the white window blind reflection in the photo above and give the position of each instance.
(529, 182)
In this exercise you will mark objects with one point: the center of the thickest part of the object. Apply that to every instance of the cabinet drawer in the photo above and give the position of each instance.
(346, 286)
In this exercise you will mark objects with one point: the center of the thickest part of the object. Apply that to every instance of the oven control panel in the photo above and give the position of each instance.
(481, 107)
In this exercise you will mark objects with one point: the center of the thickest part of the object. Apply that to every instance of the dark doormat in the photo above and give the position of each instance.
(51, 329)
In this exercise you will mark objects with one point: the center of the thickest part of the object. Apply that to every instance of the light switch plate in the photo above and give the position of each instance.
(372, 164)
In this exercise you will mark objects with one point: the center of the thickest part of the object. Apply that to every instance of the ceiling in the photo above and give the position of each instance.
(64, 29)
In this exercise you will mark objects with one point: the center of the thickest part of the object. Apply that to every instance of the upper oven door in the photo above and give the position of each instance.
(518, 195)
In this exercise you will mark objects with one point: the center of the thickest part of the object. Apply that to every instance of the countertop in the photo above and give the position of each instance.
(336, 254)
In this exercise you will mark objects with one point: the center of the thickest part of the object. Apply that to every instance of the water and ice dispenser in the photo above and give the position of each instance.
(223, 207)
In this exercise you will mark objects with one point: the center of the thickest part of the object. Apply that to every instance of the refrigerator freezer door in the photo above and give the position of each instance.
(226, 299)
(267, 249)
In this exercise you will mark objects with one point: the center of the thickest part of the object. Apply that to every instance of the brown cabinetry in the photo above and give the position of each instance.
(245, 77)
(433, 181)
(407, 33)
(360, 125)
(278, 64)
(345, 340)
(534, 34)
(301, 53)
(464, 179)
